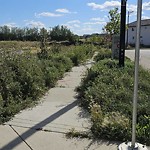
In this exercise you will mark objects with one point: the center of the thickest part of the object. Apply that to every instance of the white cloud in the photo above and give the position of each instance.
(114, 3)
(10, 25)
(95, 6)
(132, 7)
(73, 21)
(146, 6)
(105, 6)
(48, 14)
(95, 23)
(145, 17)
(71, 26)
(76, 25)
(63, 10)
(97, 19)
(36, 24)
(86, 30)
(67, 25)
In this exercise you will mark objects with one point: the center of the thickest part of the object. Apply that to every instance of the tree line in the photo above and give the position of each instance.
(57, 33)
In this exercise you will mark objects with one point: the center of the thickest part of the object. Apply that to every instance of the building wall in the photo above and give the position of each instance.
(145, 35)
(131, 35)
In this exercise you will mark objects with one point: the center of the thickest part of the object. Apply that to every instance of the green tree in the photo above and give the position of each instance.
(43, 37)
(113, 26)
(4, 32)
(20, 34)
(31, 34)
(61, 33)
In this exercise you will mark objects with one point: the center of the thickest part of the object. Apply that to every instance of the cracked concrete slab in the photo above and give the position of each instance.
(57, 141)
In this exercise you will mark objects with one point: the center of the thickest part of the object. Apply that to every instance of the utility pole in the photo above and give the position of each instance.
(122, 33)
(127, 38)
(127, 30)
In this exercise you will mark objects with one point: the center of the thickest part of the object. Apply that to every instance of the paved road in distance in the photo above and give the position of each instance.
(144, 57)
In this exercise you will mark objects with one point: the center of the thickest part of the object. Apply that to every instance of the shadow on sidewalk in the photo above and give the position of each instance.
(12, 144)
(102, 142)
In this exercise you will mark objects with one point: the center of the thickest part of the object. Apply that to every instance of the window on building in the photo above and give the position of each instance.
(132, 29)
(133, 37)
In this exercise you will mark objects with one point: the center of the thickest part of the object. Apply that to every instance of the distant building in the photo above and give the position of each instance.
(145, 33)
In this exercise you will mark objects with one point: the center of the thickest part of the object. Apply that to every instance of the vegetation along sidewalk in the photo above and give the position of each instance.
(57, 121)
(54, 117)
(107, 93)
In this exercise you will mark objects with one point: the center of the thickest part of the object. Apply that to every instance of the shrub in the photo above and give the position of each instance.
(23, 80)
(114, 127)
(79, 54)
(143, 128)
(103, 54)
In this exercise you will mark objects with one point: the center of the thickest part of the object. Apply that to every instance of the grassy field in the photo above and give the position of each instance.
(20, 45)
(25, 77)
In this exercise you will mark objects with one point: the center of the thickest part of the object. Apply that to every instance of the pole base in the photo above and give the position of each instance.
(127, 146)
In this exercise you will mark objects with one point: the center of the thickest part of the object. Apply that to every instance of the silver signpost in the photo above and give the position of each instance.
(137, 53)
(133, 145)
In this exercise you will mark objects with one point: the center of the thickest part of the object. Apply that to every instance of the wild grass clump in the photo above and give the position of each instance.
(79, 54)
(107, 93)
(103, 54)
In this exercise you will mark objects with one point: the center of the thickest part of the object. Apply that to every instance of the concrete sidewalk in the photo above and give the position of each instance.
(44, 126)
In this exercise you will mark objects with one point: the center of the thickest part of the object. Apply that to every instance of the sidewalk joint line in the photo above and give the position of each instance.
(21, 137)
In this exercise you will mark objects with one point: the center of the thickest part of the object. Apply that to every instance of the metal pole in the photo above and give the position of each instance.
(122, 33)
(127, 42)
(137, 52)
(132, 145)
(127, 30)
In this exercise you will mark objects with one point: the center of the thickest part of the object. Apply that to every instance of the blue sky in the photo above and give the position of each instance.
(80, 16)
